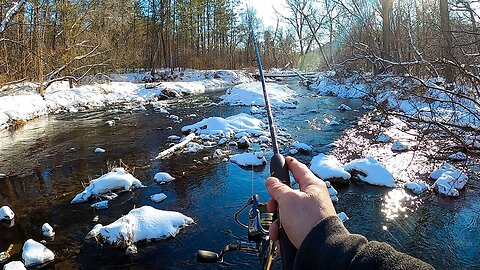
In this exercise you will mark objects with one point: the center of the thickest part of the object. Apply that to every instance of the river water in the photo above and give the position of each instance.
(48, 160)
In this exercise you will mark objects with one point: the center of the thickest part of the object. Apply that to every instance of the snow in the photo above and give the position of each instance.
(14, 265)
(222, 141)
(158, 197)
(445, 167)
(326, 84)
(144, 223)
(174, 138)
(228, 127)
(47, 230)
(458, 156)
(35, 253)
(376, 173)
(193, 147)
(110, 123)
(163, 177)
(249, 159)
(117, 179)
(327, 167)
(6, 213)
(302, 147)
(99, 150)
(417, 187)
(249, 94)
(100, 205)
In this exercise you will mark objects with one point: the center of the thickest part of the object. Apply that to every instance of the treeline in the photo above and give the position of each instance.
(59, 39)
(421, 38)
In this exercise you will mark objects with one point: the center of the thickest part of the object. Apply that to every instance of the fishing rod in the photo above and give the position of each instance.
(259, 219)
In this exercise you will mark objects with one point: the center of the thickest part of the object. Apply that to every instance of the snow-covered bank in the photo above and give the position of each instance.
(144, 223)
(24, 105)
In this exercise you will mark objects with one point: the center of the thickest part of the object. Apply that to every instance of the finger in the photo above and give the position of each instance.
(277, 189)
(302, 173)
(272, 206)
(273, 231)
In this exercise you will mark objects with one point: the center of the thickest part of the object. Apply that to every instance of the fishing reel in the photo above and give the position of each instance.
(259, 243)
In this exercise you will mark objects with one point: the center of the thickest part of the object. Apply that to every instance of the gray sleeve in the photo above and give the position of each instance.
(330, 246)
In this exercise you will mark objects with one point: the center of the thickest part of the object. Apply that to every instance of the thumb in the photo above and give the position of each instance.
(276, 188)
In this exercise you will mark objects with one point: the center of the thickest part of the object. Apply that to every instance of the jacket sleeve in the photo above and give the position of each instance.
(329, 245)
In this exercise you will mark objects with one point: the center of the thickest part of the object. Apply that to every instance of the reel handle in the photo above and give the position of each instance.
(279, 169)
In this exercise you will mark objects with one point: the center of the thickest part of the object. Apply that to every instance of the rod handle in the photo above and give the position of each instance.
(279, 169)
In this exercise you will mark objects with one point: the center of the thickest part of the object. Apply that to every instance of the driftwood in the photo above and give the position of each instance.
(176, 147)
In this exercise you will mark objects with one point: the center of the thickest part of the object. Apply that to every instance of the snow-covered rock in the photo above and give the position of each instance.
(417, 187)
(333, 123)
(14, 265)
(144, 223)
(459, 156)
(163, 177)
(243, 143)
(158, 197)
(328, 167)
(264, 139)
(383, 138)
(450, 182)
(249, 159)
(222, 141)
(99, 150)
(117, 179)
(293, 152)
(344, 108)
(100, 205)
(35, 253)
(2, 175)
(438, 172)
(257, 110)
(342, 216)
(399, 146)
(47, 230)
(332, 191)
(302, 147)
(6, 213)
(174, 138)
(110, 123)
(193, 147)
(249, 94)
(227, 127)
(371, 171)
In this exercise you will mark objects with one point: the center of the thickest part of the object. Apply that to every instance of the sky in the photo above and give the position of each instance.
(265, 10)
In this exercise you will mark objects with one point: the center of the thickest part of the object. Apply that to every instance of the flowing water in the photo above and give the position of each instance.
(50, 158)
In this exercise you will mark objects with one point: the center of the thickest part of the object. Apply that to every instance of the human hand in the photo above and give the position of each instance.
(300, 210)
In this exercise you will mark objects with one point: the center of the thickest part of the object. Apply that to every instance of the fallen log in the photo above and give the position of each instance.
(170, 151)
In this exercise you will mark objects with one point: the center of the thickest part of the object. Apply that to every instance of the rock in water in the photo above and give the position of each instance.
(6, 213)
(163, 177)
(47, 230)
(35, 253)
(14, 265)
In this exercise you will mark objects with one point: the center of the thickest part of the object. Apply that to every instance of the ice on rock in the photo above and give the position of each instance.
(144, 223)
(344, 108)
(459, 156)
(47, 230)
(328, 167)
(383, 138)
(99, 150)
(158, 197)
(117, 179)
(163, 177)
(249, 159)
(417, 187)
(399, 146)
(302, 147)
(100, 205)
(35, 253)
(342, 216)
(14, 265)
(371, 171)
(6, 213)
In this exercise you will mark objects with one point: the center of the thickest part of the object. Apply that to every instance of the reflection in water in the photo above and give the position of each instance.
(397, 202)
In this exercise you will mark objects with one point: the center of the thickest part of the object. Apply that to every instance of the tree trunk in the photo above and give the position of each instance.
(447, 42)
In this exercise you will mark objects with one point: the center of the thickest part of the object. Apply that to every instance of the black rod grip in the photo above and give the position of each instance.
(279, 169)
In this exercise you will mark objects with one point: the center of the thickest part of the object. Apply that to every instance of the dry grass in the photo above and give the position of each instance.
(17, 124)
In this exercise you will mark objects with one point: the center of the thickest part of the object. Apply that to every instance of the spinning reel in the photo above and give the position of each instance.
(259, 243)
